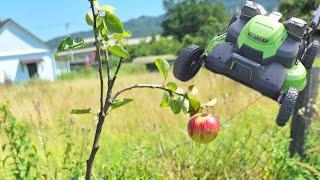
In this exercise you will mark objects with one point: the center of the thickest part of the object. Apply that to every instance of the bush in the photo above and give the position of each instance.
(78, 74)
(133, 69)
(155, 47)
(128, 68)
(20, 154)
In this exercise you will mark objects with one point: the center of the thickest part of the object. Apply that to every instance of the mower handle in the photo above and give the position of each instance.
(315, 18)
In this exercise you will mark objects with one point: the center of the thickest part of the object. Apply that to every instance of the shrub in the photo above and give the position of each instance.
(155, 47)
(84, 73)
(20, 154)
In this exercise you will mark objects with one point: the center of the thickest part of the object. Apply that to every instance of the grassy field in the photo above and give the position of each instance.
(143, 141)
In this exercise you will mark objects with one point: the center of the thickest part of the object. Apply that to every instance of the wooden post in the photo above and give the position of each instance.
(304, 113)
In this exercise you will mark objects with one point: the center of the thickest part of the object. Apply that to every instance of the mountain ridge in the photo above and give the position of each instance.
(139, 27)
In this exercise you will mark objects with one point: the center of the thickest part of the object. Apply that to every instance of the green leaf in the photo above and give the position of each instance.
(100, 21)
(107, 9)
(163, 67)
(118, 103)
(210, 103)
(165, 100)
(113, 23)
(118, 50)
(81, 111)
(175, 106)
(193, 90)
(96, 4)
(105, 32)
(120, 36)
(68, 43)
(89, 18)
(172, 86)
(184, 103)
(126, 34)
(194, 105)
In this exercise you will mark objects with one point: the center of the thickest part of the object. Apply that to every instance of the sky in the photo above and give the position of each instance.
(48, 18)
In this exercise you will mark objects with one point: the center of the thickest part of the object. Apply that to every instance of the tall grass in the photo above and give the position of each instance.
(91, 73)
(144, 141)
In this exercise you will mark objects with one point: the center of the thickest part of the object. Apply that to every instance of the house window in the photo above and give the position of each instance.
(32, 69)
(32, 66)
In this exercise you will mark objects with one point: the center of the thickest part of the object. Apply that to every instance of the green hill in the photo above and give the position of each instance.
(144, 26)
(139, 27)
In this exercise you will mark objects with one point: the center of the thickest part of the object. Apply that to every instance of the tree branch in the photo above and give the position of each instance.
(146, 86)
(108, 100)
(117, 70)
(108, 64)
(95, 145)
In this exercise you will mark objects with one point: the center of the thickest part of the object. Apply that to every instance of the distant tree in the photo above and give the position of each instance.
(168, 4)
(298, 8)
(188, 17)
(212, 23)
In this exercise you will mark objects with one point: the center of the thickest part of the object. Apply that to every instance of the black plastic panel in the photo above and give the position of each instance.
(251, 9)
(266, 79)
(234, 30)
(286, 54)
(251, 53)
(240, 70)
(296, 27)
(220, 56)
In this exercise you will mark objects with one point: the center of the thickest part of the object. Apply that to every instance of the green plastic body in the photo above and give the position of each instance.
(296, 77)
(270, 34)
(263, 34)
(216, 40)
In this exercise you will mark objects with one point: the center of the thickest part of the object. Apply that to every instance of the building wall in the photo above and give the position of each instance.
(46, 69)
(9, 69)
(16, 44)
(12, 69)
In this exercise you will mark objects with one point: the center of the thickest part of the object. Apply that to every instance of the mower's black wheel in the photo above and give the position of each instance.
(300, 123)
(188, 63)
(287, 102)
(310, 55)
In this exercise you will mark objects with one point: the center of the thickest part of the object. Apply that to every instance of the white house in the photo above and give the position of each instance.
(23, 55)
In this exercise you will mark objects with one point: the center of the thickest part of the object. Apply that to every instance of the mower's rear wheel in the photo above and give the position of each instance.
(288, 102)
(310, 55)
(300, 122)
(188, 63)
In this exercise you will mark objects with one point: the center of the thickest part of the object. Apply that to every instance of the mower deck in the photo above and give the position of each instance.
(266, 79)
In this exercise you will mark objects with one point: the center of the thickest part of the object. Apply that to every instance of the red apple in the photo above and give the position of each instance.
(203, 128)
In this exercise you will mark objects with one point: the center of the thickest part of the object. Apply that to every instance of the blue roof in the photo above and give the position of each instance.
(3, 23)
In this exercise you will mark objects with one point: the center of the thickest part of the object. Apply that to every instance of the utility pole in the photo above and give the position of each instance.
(67, 25)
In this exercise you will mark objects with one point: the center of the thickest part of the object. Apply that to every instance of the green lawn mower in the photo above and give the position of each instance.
(261, 52)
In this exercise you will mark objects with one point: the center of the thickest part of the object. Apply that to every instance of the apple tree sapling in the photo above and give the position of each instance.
(110, 35)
